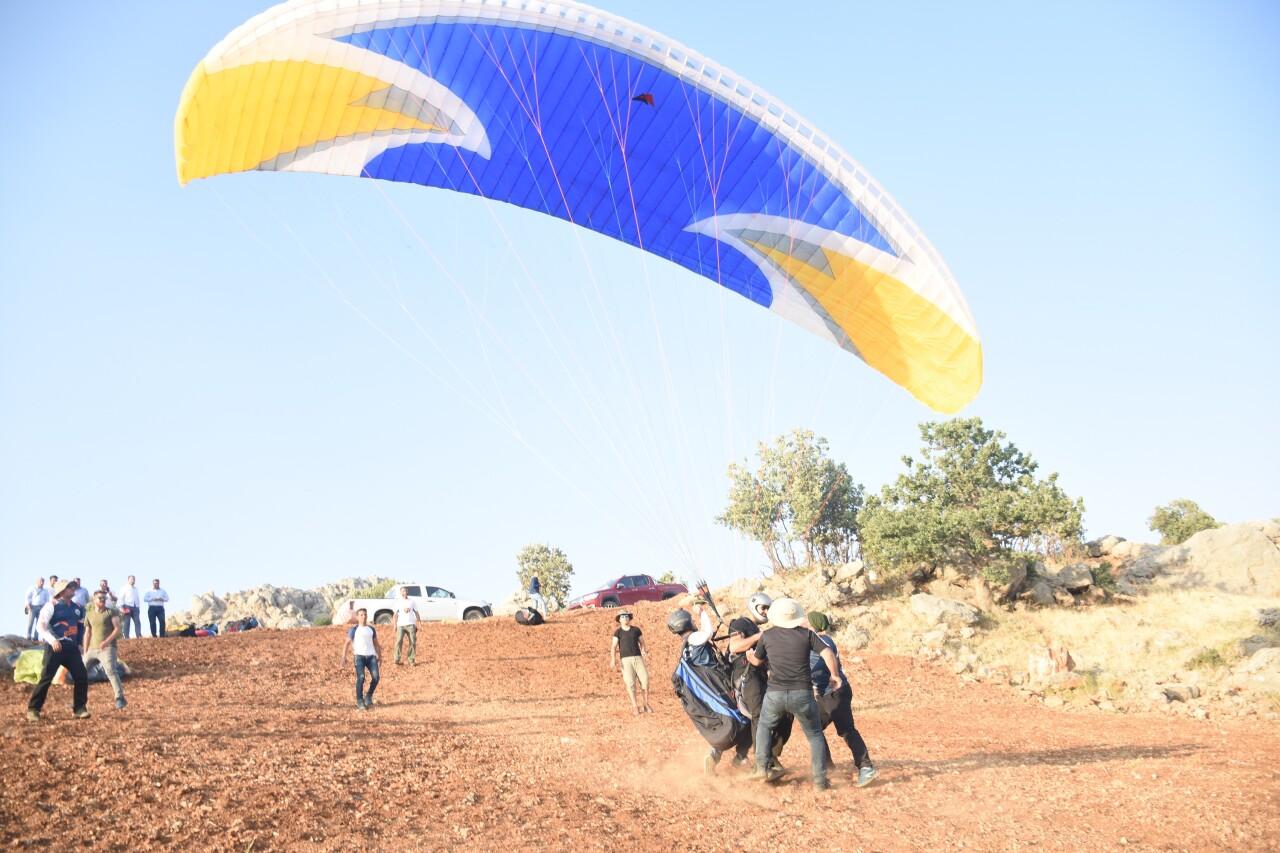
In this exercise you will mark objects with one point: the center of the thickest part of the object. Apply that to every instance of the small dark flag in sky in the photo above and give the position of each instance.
(646, 98)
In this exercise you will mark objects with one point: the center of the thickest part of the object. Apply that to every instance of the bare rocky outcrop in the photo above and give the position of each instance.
(1238, 558)
(272, 606)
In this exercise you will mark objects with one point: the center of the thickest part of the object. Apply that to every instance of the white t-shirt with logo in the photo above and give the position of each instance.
(361, 637)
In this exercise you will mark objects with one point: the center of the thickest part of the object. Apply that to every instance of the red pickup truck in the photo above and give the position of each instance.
(628, 589)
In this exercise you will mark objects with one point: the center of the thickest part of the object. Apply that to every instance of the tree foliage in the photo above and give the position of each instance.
(968, 500)
(1179, 520)
(799, 505)
(552, 567)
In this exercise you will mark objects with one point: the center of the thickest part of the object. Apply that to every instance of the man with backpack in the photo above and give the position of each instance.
(362, 641)
(786, 649)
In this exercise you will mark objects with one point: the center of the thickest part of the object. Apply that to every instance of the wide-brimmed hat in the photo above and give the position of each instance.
(625, 613)
(62, 586)
(786, 613)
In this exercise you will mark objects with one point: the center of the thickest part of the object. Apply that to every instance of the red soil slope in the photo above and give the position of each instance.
(508, 737)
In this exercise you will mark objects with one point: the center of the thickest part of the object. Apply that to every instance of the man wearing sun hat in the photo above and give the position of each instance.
(628, 644)
(785, 647)
(59, 627)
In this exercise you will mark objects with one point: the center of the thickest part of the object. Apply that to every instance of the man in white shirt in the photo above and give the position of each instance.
(407, 619)
(37, 597)
(362, 640)
(155, 599)
(131, 608)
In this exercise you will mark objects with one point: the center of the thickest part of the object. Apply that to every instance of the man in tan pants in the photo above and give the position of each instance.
(628, 642)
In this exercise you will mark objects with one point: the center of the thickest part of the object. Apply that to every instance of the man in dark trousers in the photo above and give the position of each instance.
(59, 627)
(752, 681)
(786, 649)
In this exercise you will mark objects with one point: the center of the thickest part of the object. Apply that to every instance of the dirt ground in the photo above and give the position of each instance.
(522, 738)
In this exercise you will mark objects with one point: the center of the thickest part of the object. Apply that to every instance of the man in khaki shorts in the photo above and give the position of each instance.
(628, 641)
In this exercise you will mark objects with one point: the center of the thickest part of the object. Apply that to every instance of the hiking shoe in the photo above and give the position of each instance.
(120, 703)
(81, 713)
(33, 716)
(821, 785)
(708, 765)
(865, 776)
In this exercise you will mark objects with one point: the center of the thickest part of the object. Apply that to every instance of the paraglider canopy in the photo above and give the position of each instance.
(570, 111)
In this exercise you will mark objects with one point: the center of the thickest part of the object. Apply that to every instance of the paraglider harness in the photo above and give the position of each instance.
(705, 690)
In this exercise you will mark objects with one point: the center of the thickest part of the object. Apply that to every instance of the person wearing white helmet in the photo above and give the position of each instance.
(751, 682)
(786, 648)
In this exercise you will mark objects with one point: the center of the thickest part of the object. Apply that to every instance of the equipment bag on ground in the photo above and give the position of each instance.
(528, 616)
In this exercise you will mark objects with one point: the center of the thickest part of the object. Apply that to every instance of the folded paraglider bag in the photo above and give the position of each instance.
(706, 693)
(27, 668)
(188, 630)
(528, 616)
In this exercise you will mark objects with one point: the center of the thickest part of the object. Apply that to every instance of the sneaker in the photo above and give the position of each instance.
(33, 716)
(120, 703)
(866, 775)
(360, 705)
(368, 702)
(708, 765)
(773, 775)
(739, 760)
(81, 713)
(821, 785)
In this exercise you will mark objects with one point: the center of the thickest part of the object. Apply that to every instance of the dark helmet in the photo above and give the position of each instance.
(680, 621)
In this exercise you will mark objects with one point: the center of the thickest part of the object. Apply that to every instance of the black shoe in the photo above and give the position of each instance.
(822, 785)
(773, 775)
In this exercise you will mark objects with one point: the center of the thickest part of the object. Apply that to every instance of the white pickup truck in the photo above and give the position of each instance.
(434, 605)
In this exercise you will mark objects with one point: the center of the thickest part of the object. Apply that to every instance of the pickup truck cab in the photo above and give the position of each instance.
(628, 589)
(435, 604)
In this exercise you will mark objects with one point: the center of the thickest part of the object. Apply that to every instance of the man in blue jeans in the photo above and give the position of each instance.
(362, 640)
(785, 647)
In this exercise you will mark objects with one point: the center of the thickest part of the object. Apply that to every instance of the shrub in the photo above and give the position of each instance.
(1179, 520)
(322, 620)
(1102, 577)
(552, 567)
(1206, 659)
(378, 590)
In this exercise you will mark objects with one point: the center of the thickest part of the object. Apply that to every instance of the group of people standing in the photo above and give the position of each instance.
(128, 603)
(784, 667)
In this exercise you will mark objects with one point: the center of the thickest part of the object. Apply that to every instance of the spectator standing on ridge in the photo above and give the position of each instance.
(836, 706)
(750, 681)
(155, 599)
(407, 619)
(103, 586)
(628, 643)
(101, 634)
(362, 640)
(786, 649)
(37, 597)
(535, 593)
(59, 624)
(131, 608)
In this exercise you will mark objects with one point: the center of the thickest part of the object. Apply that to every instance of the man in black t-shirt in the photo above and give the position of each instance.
(752, 681)
(786, 649)
(628, 643)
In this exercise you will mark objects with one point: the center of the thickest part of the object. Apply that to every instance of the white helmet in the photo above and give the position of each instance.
(757, 604)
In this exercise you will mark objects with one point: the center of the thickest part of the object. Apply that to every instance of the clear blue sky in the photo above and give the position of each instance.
(294, 378)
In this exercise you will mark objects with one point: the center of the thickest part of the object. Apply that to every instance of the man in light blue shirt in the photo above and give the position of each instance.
(37, 597)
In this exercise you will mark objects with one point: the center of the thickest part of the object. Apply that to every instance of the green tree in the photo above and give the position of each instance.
(970, 500)
(1179, 521)
(552, 567)
(799, 505)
